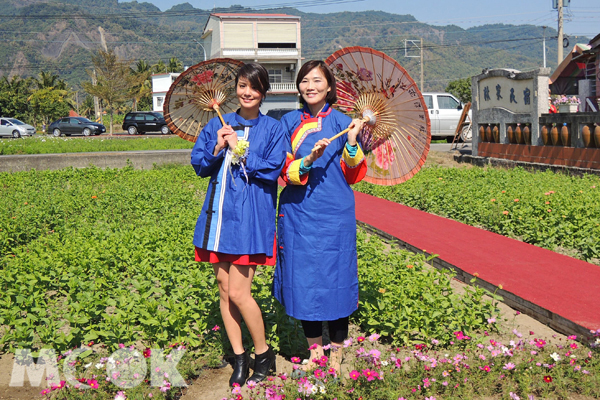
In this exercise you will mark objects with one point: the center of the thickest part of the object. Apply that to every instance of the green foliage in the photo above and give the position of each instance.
(460, 88)
(542, 208)
(106, 256)
(42, 144)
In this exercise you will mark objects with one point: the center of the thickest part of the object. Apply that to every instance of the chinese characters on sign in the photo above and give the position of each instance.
(513, 97)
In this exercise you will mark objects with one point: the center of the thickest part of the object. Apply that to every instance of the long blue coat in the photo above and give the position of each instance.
(316, 273)
(238, 214)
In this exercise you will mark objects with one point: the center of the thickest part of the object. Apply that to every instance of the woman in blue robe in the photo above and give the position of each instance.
(316, 278)
(236, 228)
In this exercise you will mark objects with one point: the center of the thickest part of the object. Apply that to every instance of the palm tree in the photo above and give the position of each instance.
(174, 65)
(159, 67)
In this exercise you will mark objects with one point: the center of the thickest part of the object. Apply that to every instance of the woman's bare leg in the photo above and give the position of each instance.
(229, 311)
(240, 294)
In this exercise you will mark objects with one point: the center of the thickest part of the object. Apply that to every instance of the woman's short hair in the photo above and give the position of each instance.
(257, 75)
(309, 66)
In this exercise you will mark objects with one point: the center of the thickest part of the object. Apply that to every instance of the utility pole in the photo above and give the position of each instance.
(560, 31)
(544, 46)
(421, 87)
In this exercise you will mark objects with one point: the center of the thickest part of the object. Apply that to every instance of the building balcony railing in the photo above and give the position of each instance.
(283, 87)
(261, 53)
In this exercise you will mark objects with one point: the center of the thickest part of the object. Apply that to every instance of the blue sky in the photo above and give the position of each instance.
(582, 17)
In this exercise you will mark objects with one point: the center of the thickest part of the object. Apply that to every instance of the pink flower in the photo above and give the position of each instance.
(93, 383)
(573, 346)
(313, 346)
(295, 360)
(318, 373)
(491, 320)
(374, 337)
(509, 366)
(147, 352)
(121, 346)
(215, 328)
(354, 375)
(572, 337)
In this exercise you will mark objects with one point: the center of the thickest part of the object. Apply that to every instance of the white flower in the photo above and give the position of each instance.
(99, 366)
(322, 389)
(384, 363)
(555, 356)
(87, 365)
(304, 362)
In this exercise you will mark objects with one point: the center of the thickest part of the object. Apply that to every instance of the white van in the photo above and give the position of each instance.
(444, 113)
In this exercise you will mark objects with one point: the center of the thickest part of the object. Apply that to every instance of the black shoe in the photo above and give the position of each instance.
(263, 364)
(240, 369)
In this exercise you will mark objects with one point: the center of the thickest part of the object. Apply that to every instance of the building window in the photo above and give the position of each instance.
(160, 101)
(275, 76)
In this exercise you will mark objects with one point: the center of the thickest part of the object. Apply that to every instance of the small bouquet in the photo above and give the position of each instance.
(566, 100)
(240, 151)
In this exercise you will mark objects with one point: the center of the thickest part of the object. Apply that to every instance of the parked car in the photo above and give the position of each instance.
(145, 121)
(277, 113)
(15, 128)
(75, 125)
(444, 113)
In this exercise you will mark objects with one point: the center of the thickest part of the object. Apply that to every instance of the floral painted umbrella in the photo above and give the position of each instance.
(372, 84)
(198, 93)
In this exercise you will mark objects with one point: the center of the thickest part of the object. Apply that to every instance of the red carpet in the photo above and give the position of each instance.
(562, 285)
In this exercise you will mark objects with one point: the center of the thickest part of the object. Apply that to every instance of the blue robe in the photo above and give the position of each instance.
(316, 277)
(238, 214)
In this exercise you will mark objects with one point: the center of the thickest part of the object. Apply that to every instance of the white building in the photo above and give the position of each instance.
(270, 39)
(160, 86)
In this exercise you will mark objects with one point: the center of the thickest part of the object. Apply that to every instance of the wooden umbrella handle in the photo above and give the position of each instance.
(216, 108)
(365, 119)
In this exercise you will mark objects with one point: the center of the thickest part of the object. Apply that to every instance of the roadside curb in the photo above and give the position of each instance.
(144, 159)
(502, 162)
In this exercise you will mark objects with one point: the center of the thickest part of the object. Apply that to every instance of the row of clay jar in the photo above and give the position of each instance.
(551, 135)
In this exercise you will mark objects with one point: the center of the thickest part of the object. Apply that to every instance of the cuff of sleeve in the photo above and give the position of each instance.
(293, 174)
(353, 160)
(303, 168)
(351, 149)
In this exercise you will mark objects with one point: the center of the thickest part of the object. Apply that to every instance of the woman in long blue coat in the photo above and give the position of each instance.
(236, 228)
(316, 278)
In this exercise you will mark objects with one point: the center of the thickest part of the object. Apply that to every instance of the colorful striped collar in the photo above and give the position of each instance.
(323, 113)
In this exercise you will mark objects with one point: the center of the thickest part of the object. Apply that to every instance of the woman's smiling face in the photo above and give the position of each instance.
(248, 97)
(314, 89)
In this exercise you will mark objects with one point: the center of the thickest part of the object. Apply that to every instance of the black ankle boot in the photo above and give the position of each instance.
(263, 364)
(240, 369)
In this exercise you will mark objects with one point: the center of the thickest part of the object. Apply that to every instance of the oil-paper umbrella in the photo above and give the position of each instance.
(374, 87)
(198, 93)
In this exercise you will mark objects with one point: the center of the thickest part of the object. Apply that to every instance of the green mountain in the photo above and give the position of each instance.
(60, 36)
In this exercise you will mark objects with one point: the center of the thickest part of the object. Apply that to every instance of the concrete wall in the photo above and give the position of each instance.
(109, 159)
(498, 99)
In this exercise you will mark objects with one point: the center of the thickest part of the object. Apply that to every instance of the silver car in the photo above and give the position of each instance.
(15, 128)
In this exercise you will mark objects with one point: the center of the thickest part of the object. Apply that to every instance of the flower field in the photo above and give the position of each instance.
(554, 211)
(104, 258)
(46, 144)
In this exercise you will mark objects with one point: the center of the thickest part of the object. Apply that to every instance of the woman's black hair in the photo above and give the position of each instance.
(257, 75)
(309, 66)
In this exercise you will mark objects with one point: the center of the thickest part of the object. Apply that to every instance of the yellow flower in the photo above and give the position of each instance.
(381, 290)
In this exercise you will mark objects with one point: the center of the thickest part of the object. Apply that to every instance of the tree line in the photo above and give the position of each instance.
(120, 86)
